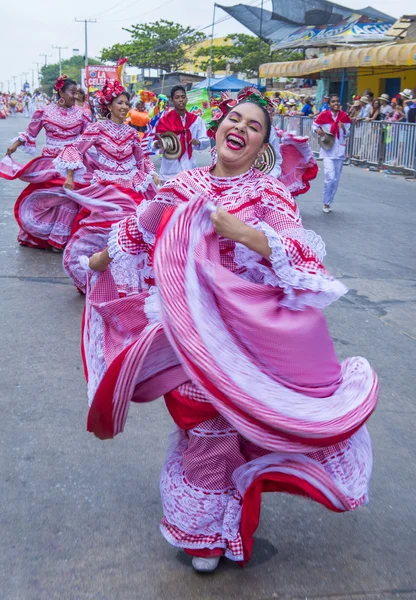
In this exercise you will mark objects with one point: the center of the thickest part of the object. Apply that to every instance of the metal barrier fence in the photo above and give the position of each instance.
(382, 143)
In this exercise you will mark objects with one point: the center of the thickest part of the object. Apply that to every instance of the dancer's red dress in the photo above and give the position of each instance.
(241, 351)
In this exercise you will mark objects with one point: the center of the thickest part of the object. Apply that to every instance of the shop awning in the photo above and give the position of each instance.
(393, 55)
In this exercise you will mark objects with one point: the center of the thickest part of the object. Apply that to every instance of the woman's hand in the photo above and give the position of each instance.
(228, 226)
(11, 149)
(195, 142)
(99, 261)
(69, 183)
(157, 179)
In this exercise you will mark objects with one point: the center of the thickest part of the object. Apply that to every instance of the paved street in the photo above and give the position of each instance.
(79, 516)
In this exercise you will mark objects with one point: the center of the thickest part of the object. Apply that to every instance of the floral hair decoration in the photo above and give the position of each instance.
(226, 103)
(108, 92)
(60, 82)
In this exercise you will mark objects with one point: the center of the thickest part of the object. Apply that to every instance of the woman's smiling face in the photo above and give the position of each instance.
(240, 136)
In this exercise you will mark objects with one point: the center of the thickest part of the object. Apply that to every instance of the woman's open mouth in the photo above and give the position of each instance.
(235, 142)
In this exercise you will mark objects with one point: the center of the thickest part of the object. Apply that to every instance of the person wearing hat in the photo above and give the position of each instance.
(291, 107)
(409, 104)
(386, 109)
(324, 105)
(333, 128)
(188, 127)
(365, 110)
(354, 110)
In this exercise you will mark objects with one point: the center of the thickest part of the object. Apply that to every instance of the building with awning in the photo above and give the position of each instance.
(384, 68)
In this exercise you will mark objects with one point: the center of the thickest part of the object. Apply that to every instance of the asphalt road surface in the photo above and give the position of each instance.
(79, 517)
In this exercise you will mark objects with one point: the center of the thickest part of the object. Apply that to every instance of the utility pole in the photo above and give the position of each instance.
(210, 53)
(59, 48)
(8, 85)
(86, 21)
(260, 41)
(37, 73)
(14, 77)
(46, 56)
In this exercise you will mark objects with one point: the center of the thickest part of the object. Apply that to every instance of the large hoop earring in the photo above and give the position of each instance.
(108, 115)
(61, 102)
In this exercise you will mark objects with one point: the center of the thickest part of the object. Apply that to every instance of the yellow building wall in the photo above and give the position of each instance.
(375, 80)
(193, 64)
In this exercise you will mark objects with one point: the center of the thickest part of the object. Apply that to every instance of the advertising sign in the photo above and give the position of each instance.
(198, 103)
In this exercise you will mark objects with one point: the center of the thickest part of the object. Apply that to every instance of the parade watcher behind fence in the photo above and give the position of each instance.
(189, 128)
(336, 123)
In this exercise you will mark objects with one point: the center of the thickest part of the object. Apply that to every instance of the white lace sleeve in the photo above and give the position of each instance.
(303, 280)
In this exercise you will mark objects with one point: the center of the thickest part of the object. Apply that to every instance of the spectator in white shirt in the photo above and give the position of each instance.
(365, 108)
(386, 109)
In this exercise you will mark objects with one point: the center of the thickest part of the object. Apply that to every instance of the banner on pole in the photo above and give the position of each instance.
(96, 75)
(198, 103)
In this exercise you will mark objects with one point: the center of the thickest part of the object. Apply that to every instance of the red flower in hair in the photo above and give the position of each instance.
(59, 84)
(108, 92)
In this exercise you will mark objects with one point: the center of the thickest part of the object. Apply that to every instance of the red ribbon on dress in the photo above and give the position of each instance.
(326, 118)
(173, 122)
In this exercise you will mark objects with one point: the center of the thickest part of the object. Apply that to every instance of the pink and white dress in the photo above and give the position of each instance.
(239, 348)
(43, 211)
(121, 177)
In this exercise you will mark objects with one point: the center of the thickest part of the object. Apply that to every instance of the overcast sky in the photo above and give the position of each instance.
(30, 28)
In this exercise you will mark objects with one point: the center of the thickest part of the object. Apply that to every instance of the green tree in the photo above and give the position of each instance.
(71, 67)
(158, 45)
(244, 56)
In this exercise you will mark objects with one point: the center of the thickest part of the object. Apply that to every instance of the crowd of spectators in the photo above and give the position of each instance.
(363, 108)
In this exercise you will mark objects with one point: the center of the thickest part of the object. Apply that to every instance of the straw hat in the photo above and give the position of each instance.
(384, 97)
(291, 102)
(356, 103)
(266, 161)
(327, 140)
(407, 94)
(364, 100)
(171, 146)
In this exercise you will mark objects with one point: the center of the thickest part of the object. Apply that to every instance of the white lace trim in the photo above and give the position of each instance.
(62, 166)
(29, 143)
(152, 307)
(320, 290)
(193, 510)
(127, 269)
(148, 236)
(148, 180)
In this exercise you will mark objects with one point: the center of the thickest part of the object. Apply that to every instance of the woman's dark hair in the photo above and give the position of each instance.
(177, 88)
(122, 94)
(67, 83)
(399, 101)
(333, 96)
(267, 119)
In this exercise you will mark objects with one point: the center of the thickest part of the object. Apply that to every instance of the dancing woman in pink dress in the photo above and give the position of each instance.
(211, 295)
(43, 211)
(121, 177)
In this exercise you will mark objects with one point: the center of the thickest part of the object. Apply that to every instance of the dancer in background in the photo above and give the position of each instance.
(337, 123)
(82, 103)
(138, 118)
(44, 213)
(189, 128)
(121, 178)
(212, 296)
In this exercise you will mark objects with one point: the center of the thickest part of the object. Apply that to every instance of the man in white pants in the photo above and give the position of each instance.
(336, 122)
